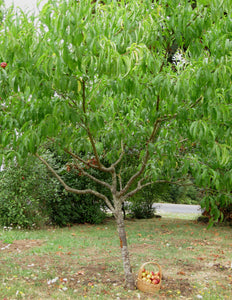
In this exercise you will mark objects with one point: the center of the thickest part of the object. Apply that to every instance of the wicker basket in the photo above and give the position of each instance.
(145, 286)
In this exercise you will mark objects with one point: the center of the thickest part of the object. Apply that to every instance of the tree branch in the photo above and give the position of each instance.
(75, 191)
(137, 189)
(81, 160)
(197, 101)
(101, 167)
(103, 183)
(145, 159)
(157, 103)
(83, 97)
(65, 97)
(120, 157)
(140, 187)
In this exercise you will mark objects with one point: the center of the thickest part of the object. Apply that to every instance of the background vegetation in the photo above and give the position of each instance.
(30, 197)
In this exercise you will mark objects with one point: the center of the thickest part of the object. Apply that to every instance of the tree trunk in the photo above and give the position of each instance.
(130, 282)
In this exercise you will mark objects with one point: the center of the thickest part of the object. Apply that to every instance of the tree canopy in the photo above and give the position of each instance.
(98, 80)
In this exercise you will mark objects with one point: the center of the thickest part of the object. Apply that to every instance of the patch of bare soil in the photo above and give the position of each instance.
(137, 248)
(95, 274)
(177, 286)
(68, 271)
(19, 245)
(187, 267)
(179, 275)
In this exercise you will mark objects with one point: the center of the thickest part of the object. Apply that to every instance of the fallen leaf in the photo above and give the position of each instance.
(105, 292)
(181, 273)
(80, 273)
(214, 255)
(190, 248)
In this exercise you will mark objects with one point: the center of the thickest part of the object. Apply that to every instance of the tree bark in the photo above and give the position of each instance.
(130, 282)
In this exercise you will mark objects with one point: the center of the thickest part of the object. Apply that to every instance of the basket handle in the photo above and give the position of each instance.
(150, 262)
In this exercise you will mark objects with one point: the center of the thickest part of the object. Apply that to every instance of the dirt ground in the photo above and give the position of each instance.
(19, 245)
(176, 279)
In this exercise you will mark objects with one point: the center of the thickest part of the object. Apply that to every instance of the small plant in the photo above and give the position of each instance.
(142, 209)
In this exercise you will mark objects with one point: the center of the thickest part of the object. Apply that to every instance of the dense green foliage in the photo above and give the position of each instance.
(141, 208)
(24, 192)
(70, 208)
(140, 205)
(105, 71)
(31, 198)
(100, 79)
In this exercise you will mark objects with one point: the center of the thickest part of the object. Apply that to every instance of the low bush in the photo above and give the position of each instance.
(140, 206)
(224, 211)
(141, 209)
(69, 208)
(23, 195)
(31, 197)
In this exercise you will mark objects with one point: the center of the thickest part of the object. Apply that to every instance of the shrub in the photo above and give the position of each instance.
(141, 208)
(70, 208)
(23, 195)
(225, 214)
(31, 197)
(141, 204)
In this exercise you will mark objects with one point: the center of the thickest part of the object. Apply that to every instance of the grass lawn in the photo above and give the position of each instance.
(84, 261)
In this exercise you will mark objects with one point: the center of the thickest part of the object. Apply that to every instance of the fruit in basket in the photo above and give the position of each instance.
(156, 281)
(151, 277)
(144, 278)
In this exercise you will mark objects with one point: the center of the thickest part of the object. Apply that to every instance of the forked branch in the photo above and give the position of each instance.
(140, 186)
(72, 190)
(103, 183)
(120, 157)
(145, 159)
(77, 157)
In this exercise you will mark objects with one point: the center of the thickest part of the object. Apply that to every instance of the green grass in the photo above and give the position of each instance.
(84, 261)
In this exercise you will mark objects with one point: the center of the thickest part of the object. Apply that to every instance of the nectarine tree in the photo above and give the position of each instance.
(97, 79)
